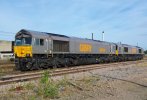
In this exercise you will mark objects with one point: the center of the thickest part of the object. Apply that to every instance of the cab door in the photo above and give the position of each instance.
(116, 52)
(50, 46)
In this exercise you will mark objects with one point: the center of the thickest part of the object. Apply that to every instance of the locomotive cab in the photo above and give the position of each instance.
(23, 45)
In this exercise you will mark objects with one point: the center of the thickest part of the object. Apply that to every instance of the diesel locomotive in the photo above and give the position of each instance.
(41, 50)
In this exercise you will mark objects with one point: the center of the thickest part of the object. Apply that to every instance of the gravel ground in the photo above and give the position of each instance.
(121, 83)
(127, 82)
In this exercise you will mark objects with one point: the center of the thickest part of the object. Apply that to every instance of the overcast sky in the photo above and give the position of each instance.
(122, 20)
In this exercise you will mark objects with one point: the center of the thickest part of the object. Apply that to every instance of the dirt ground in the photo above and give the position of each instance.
(122, 83)
(114, 83)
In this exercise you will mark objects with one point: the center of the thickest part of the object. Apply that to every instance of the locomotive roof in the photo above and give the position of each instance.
(45, 34)
(57, 35)
(39, 34)
(91, 40)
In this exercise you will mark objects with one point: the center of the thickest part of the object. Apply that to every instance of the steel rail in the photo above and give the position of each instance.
(58, 72)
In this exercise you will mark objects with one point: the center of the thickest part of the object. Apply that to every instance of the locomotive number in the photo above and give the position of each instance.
(85, 48)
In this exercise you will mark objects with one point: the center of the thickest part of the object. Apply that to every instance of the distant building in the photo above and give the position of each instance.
(6, 46)
(6, 49)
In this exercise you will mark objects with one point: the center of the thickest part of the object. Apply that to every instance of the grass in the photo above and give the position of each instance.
(5, 69)
(1, 72)
(46, 88)
(29, 86)
(62, 83)
(89, 80)
(142, 64)
(20, 87)
(17, 88)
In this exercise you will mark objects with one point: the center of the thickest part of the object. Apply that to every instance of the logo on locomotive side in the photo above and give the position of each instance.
(102, 50)
(134, 51)
(85, 47)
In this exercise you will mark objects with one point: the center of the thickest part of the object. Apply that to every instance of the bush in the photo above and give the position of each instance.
(47, 88)
(45, 78)
(145, 52)
(51, 91)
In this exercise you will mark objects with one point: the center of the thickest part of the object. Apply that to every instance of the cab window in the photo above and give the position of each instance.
(116, 47)
(39, 42)
(140, 50)
(23, 41)
(36, 42)
(125, 49)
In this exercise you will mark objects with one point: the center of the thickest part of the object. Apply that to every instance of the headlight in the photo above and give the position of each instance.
(27, 55)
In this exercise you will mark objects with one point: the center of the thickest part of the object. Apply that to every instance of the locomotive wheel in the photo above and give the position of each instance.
(75, 62)
(66, 62)
(17, 66)
(43, 66)
(54, 66)
(33, 66)
(55, 63)
(24, 66)
(29, 65)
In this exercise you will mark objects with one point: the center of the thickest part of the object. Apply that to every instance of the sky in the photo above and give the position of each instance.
(122, 21)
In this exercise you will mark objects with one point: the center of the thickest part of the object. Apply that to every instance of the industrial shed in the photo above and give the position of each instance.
(6, 49)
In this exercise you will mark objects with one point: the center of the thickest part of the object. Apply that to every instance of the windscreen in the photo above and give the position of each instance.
(23, 41)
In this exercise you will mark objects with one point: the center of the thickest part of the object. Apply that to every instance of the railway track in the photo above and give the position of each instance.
(7, 65)
(58, 72)
(12, 64)
(3, 62)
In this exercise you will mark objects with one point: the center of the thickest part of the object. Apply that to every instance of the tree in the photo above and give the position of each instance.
(145, 51)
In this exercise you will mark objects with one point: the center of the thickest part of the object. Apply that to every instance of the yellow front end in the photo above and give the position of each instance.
(23, 51)
(116, 52)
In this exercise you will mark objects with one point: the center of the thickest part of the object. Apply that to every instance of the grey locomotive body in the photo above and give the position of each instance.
(37, 50)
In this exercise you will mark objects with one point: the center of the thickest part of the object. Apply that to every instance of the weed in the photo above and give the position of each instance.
(16, 88)
(31, 97)
(29, 86)
(51, 91)
(1, 72)
(45, 78)
(142, 64)
(47, 88)
(62, 82)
